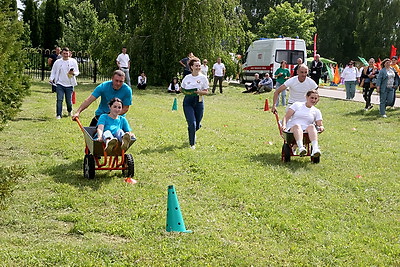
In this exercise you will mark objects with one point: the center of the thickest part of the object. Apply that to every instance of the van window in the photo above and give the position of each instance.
(290, 56)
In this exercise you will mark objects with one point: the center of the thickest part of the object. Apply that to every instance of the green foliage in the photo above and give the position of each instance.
(31, 17)
(107, 44)
(79, 24)
(290, 21)
(13, 84)
(8, 179)
(52, 26)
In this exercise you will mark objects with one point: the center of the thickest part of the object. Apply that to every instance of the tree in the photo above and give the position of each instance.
(288, 20)
(52, 27)
(31, 17)
(79, 25)
(13, 84)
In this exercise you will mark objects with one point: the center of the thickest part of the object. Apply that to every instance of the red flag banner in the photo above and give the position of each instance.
(393, 51)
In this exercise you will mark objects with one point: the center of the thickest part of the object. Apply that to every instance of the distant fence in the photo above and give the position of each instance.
(36, 65)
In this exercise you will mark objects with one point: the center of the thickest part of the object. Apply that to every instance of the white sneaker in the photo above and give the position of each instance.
(316, 153)
(193, 147)
(384, 116)
(58, 117)
(69, 114)
(126, 139)
(110, 145)
(302, 151)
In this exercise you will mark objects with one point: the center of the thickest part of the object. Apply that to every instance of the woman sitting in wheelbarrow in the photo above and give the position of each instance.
(305, 117)
(112, 127)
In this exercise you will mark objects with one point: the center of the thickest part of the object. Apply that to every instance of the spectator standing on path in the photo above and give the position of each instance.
(51, 60)
(395, 66)
(107, 91)
(299, 62)
(316, 69)
(298, 87)
(142, 81)
(204, 68)
(63, 75)
(218, 71)
(386, 83)
(193, 103)
(368, 75)
(281, 75)
(185, 64)
(351, 77)
(124, 64)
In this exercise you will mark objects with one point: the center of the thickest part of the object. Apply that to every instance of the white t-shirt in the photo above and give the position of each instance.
(303, 115)
(123, 60)
(204, 69)
(172, 87)
(219, 69)
(298, 90)
(60, 69)
(199, 82)
(350, 74)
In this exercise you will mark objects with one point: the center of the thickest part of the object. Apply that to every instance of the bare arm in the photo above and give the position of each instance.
(320, 126)
(124, 110)
(276, 95)
(83, 106)
(100, 129)
(285, 119)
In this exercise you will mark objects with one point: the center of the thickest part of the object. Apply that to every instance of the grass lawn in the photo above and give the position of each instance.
(244, 206)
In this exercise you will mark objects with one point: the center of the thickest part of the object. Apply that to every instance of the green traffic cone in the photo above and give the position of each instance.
(175, 221)
(175, 105)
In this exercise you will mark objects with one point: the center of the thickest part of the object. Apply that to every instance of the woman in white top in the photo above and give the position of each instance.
(304, 117)
(204, 68)
(194, 86)
(142, 81)
(351, 77)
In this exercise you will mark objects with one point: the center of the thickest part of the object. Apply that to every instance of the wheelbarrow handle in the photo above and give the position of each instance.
(79, 124)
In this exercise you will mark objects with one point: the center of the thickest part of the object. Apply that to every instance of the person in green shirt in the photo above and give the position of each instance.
(281, 75)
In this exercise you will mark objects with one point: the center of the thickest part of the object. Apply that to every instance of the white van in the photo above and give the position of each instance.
(265, 55)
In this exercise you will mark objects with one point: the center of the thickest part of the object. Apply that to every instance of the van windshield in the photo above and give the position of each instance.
(290, 56)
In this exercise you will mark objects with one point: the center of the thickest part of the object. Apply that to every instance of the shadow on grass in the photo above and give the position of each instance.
(274, 159)
(32, 119)
(72, 174)
(371, 115)
(164, 149)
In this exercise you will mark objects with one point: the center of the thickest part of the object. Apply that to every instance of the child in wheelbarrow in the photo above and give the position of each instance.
(305, 117)
(112, 127)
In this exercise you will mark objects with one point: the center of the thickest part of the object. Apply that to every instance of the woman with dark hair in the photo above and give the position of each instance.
(368, 75)
(112, 127)
(194, 87)
(281, 75)
(174, 86)
(386, 82)
(142, 81)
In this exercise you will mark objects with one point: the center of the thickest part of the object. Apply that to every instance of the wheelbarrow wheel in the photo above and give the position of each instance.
(129, 166)
(286, 153)
(89, 166)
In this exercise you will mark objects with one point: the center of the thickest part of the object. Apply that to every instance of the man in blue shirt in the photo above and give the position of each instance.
(107, 91)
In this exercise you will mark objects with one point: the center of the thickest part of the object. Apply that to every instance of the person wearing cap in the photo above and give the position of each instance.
(351, 77)
(386, 82)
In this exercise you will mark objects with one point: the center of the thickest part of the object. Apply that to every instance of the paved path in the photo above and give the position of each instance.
(340, 93)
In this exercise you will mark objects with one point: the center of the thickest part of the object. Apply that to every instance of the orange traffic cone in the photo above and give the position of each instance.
(266, 106)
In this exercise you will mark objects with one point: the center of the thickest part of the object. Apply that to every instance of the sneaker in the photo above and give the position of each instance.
(371, 106)
(110, 145)
(58, 117)
(384, 116)
(126, 139)
(302, 151)
(316, 153)
(69, 114)
(193, 147)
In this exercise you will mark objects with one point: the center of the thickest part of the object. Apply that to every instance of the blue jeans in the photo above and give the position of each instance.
(107, 134)
(385, 99)
(282, 95)
(61, 91)
(350, 89)
(193, 110)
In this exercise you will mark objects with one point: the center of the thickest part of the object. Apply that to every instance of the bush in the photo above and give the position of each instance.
(13, 83)
(8, 179)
